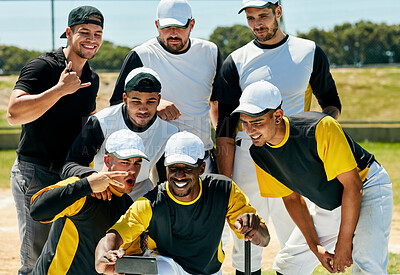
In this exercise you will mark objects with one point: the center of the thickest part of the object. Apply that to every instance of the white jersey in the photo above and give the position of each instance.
(187, 79)
(154, 138)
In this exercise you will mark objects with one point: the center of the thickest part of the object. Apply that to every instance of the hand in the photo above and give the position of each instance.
(69, 81)
(325, 258)
(342, 257)
(247, 224)
(99, 182)
(167, 110)
(108, 260)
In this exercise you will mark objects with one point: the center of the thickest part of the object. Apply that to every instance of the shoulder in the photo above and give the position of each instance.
(301, 43)
(145, 46)
(109, 111)
(216, 182)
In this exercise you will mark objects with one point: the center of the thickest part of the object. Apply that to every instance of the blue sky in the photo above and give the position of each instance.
(27, 24)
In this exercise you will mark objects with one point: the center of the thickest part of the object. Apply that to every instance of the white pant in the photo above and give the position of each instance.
(244, 175)
(167, 266)
(371, 237)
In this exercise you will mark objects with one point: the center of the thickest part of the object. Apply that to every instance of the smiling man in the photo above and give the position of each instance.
(184, 217)
(188, 68)
(308, 154)
(52, 101)
(138, 114)
(79, 220)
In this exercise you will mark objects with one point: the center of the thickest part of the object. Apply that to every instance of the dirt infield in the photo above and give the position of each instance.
(9, 250)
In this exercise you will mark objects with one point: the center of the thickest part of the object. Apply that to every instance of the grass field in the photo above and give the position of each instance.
(367, 94)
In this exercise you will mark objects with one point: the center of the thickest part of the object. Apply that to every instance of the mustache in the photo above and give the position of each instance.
(261, 29)
(173, 38)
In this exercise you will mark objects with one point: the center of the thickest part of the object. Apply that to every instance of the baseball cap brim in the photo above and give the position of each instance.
(256, 4)
(173, 22)
(180, 159)
(250, 110)
(130, 153)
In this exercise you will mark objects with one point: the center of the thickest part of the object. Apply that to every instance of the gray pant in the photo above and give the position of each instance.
(26, 179)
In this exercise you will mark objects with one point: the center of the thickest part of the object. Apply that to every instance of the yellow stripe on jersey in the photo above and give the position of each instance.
(65, 250)
(71, 210)
(333, 148)
(238, 205)
(269, 186)
(307, 98)
(135, 221)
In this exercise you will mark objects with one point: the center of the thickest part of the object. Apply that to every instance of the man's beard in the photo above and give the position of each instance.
(176, 48)
(270, 34)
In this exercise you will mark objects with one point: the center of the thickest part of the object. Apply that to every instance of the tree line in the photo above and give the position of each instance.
(348, 44)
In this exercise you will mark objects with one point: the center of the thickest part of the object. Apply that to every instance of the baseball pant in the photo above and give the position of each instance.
(26, 179)
(371, 237)
(244, 175)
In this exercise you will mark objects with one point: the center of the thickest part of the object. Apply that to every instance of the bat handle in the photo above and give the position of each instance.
(247, 258)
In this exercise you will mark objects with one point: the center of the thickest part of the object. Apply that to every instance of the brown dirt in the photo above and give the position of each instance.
(9, 250)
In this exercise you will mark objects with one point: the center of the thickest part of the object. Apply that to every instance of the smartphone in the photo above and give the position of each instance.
(136, 265)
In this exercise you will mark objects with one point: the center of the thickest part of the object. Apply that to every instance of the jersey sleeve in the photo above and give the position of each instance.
(333, 148)
(83, 150)
(322, 83)
(269, 186)
(238, 205)
(65, 198)
(132, 61)
(217, 83)
(134, 222)
(31, 74)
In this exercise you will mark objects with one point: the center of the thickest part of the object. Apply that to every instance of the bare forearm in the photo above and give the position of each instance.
(298, 211)
(214, 113)
(225, 150)
(24, 108)
(351, 201)
(111, 242)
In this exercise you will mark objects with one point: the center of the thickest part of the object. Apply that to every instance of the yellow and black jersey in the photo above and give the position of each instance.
(313, 152)
(79, 222)
(188, 232)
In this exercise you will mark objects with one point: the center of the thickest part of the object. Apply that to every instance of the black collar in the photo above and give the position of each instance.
(263, 46)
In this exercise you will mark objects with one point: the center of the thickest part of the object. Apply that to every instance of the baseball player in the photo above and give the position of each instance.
(138, 114)
(299, 68)
(309, 155)
(188, 69)
(54, 95)
(79, 220)
(184, 217)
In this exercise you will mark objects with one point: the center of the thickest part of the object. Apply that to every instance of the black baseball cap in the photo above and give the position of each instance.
(80, 15)
(143, 80)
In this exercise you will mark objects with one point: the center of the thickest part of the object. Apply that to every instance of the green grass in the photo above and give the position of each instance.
(7, 158)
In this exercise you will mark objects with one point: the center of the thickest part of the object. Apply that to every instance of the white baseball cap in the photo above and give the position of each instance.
(125, 144)
(184, 148)
(259, 4)
(259, 98)
(173, 13)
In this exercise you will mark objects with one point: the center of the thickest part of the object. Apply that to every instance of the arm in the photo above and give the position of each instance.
(214, 113)
(251, 227)
(67, 198)
(228, 99)
(298, 211)
(132, 61)
(351, 202)
(225, 142)
(83, 150)
(107, 252)
(323, 85)
(24, 107)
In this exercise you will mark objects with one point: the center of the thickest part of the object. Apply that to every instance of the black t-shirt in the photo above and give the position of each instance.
(46, 140)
